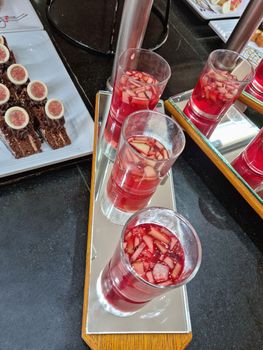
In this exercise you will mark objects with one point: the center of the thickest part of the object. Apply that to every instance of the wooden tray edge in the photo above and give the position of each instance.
(251, 103)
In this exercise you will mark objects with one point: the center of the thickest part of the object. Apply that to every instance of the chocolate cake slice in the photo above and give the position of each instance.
(51, 123)
(18, 134)
(35, 97)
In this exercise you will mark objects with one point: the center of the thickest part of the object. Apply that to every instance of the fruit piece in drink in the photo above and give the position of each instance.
(133, 91)
(136, 175)
(159, 258)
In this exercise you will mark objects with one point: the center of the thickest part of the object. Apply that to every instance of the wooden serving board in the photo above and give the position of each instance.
(149, 341)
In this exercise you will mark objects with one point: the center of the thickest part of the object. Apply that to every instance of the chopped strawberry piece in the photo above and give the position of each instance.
(138, 267)
(137, 252)
(158, 235)
(160, 272)
(149, 242)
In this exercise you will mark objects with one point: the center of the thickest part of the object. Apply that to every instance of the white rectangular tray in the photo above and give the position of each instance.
(36, 51)
(25, 16)
(216, 11)
(166, 314)
(225, 27)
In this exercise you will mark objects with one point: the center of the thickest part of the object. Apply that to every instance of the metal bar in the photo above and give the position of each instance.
(135, 17)
(247, 24)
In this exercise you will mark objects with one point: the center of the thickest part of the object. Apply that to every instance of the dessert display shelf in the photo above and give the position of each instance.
(165, 321)
(35, 51)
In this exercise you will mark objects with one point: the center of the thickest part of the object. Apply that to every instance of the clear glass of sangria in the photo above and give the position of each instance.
(140, 80)
(158, 251)
(256, 86)
(149, 145)
(222, 80)
(249, 164)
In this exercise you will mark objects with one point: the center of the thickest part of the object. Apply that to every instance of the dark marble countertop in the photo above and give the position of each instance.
(44, 216)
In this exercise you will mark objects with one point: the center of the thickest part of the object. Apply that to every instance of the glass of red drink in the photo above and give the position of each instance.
(222, 80)
(140, 80)
(256, 86)
(158, 251)
(249, 164)
(149, 145)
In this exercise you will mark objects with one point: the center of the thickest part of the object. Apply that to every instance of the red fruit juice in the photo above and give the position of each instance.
(134, 178)
(256, 87)
(249, 164)
(133, 91)
(154, 255)
(214, 93)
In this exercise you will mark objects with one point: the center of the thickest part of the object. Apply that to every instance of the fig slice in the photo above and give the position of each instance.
(37, 90)
(4, 54)
(4, 94)
(17, 74)
(54, 109)
(2, 40)
(16, 117)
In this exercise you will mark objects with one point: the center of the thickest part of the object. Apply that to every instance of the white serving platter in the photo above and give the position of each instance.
(18, 16)
(215, 11)
(36, 51)
(224, 28)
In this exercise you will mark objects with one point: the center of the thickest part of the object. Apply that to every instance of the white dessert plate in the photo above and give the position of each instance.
(36, 51)
(225, 27)
(208, 11)
(18, 16)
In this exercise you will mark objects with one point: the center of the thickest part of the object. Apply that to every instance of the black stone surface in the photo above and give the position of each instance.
(44, 218)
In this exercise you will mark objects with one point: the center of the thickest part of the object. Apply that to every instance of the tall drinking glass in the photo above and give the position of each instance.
(158, 251)
(140, 80)
(222, 80)
(149, 145)
(256, 86)
(249, 164)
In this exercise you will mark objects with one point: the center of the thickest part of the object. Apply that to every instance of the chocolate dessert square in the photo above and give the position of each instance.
(18, 134)
(52, 128)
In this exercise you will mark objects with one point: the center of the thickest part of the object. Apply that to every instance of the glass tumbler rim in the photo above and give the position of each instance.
(128, 264)
(163, 60)
(252, 73)
(130, 116)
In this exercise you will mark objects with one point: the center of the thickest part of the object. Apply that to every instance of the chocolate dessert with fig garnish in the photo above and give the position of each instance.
(51, 124)
(18, 134)
(4, 99)
(16, 79)
(5, 60)
(3, 41)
